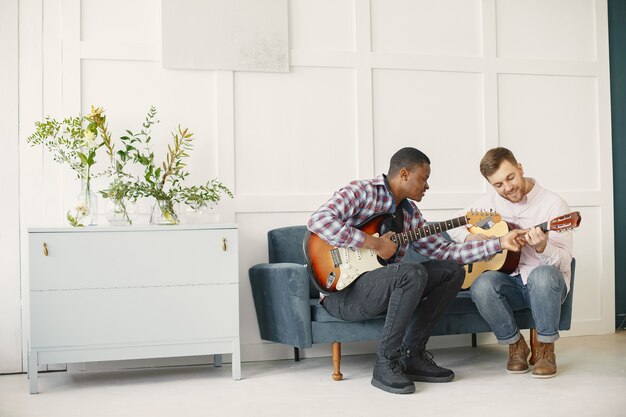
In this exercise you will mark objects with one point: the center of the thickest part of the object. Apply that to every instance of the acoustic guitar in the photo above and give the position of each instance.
(334, 269)
(507, 261)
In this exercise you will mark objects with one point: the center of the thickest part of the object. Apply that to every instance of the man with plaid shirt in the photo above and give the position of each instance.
(399, 287)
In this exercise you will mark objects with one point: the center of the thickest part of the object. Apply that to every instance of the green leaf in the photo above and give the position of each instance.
(83, 158)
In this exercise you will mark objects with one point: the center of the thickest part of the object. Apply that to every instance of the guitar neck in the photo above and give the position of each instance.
(545, 227)
(428, 230)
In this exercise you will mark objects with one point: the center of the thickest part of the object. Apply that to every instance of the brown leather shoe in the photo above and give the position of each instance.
(545, 367)
(518, 357)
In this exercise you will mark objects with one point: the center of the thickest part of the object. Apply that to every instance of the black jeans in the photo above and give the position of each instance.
(400, 289)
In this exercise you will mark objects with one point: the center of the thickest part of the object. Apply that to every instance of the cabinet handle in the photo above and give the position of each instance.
(45, 249)
(224, 244)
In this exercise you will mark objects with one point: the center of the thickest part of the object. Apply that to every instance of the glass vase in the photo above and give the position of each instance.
(205, 213)
(163, 213)
(85, 211)
(119, 213)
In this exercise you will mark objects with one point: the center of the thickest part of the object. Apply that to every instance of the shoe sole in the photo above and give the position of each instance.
(525, 371)
(544, 376)
(420, 378)
(409, 389)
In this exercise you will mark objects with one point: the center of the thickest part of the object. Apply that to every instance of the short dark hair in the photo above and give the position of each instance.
(494, 158)
(406, 158)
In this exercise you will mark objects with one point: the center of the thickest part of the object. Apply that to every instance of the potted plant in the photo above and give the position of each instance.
(164, 181)
(74, 143)
(119, 192)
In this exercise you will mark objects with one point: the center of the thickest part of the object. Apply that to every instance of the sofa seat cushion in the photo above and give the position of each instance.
(462, 305)
(320, 315)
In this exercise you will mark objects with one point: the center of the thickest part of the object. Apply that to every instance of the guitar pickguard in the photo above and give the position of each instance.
(355, 262)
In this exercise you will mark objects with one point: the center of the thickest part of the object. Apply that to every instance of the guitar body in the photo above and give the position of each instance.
(505, 262)
(322, 259)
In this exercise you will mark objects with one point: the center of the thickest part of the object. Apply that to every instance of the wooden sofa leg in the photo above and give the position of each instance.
(337, 376)
(296, 354)
(533, 346)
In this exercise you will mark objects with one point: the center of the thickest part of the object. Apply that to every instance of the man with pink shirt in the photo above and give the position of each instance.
(541, 281)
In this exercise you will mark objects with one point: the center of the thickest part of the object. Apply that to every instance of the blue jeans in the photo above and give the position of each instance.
(399, 290)
(498, 295)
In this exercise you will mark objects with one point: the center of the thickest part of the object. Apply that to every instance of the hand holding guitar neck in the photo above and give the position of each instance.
(536, 238)
(383, 246)
(513, 240)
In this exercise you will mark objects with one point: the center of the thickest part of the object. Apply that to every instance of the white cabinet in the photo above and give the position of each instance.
(109, 293)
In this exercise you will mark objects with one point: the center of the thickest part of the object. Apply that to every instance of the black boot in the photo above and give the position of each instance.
(418, 364)
(389, 377)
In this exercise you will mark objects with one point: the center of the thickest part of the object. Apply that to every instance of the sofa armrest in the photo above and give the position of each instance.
(281, 299)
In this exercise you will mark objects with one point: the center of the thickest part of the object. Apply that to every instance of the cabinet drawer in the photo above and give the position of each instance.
(107, 259)
(132, 316)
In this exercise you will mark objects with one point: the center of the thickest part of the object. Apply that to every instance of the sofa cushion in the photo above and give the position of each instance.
(319, 313)
(285, 245)
(462, 305)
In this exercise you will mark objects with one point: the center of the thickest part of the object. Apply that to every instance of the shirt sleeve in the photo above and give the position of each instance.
(330, 221)
(439, 248)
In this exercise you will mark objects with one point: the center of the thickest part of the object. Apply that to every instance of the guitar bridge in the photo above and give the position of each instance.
(469, 268)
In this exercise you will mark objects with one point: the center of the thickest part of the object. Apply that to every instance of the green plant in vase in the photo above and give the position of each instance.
(120, 191)
(72, 144)
(164, 181)
(200, 198)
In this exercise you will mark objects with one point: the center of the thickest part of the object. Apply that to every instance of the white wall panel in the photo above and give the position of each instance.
(321, 25)
(551, 124)
(440, 113)
(588, 282)
(547, 29)
(295, 133)
(185, 98)
(10, 326)
(426, 27)
(136, 21)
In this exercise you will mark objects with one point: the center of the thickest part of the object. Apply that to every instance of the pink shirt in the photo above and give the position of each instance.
(538, 206)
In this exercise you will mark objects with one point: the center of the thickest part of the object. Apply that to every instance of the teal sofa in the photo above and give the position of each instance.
(288, 309)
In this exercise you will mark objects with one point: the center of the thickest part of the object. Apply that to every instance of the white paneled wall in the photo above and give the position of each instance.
(450, 77)
(10, 326)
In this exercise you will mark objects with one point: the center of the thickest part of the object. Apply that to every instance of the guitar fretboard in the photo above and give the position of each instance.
(428, 230)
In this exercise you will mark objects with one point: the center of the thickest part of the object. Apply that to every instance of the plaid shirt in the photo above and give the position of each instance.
(360, 200)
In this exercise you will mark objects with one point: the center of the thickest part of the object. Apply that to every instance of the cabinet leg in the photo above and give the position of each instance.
(32, 373)
(337, 376)
(217, 360)
(236, 360)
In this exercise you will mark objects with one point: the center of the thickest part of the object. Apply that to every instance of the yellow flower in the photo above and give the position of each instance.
(95, 112)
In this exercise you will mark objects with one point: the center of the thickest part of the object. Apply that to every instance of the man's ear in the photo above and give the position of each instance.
(521, 168)
(404, 174)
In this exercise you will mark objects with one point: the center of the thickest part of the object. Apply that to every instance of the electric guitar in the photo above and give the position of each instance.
(334, 269)
(507, 261)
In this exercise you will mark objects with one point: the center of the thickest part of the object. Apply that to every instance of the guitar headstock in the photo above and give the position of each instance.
(483, 218)
(565, 222)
